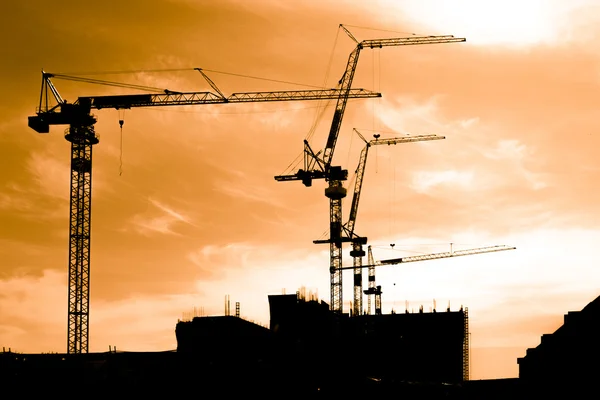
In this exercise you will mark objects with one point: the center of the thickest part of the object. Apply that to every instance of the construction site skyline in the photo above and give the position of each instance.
(185, 207)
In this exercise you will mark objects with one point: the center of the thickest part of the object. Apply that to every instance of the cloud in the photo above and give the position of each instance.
(288, 267)
(45, 193)
(424, 181)
(467, 123)
(214, 260)
(26, 319)
(244, 188)
(483, 24)
(240, 256)
(409, 115)
(515, 156)
(136, 323)
(22, 202)
(164, 223)
(508, 149)
(13, 203)
(50, 174)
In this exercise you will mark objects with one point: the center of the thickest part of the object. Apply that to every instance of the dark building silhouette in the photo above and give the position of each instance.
(44, 372)
(302, 329)
(310, 351)
(423, 347)
(569, 354)
(223, 339)
(308, 343)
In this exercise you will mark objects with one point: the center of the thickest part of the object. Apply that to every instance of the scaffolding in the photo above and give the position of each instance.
(466, 336)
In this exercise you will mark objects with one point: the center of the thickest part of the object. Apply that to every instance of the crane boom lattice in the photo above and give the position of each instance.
(436, 256)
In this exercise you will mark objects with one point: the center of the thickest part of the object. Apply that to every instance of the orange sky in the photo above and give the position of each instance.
(196, 213)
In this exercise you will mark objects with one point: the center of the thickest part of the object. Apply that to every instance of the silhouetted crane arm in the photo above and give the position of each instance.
(360, 170)
(193, 98)
(345, 83)
(435, 256)
(410, 40)
(64, 113)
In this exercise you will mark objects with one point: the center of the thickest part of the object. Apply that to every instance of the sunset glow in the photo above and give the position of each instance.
(510, 23)
(185, 206)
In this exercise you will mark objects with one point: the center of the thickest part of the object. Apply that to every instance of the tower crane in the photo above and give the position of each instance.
(54, 110)
(319, 167)
(373, 290)
(357, 251)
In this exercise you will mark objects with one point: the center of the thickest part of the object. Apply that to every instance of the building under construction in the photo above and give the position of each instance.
(421, 347)
(414, 355)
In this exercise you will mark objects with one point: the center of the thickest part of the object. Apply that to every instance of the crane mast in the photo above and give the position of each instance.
(319, 167)
(372, 290)
(357, 251)
(82, 136)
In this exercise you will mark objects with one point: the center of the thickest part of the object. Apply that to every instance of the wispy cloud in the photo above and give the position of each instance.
(515, 156)
(243, 190)
(32, 204)
(235, 259)
(408, 115)
(10, 201)
(424, 181)
(51, 175)
(469, 122)
(214, 260)
(163, 223)
(507, 149)
(49, 195)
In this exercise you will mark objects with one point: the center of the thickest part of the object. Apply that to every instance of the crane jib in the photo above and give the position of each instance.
(171, 98)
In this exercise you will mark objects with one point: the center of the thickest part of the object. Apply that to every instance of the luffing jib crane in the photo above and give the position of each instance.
(319, 167)
(376, 290)
(54, 110)
(348, 234)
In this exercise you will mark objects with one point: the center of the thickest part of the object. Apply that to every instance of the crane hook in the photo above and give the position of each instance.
(121, 121)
